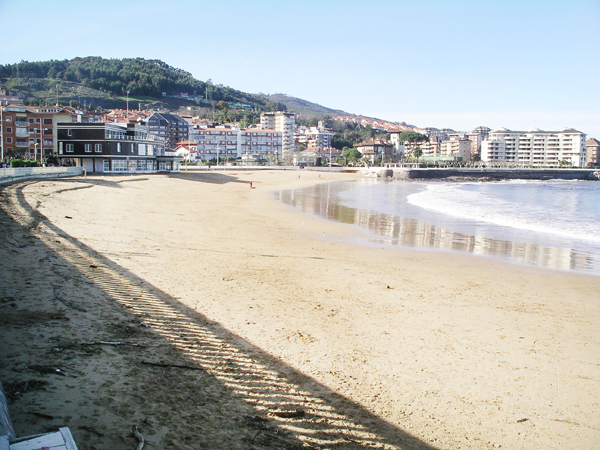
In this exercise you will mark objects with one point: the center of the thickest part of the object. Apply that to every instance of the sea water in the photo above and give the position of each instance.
(553, 224)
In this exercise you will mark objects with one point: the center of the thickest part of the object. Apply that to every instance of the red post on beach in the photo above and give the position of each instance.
(251, 184)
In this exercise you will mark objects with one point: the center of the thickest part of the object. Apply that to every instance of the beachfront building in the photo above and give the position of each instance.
(316, 156)
(593, 155)
(284, 123)
(431, 148)
(376, 150)
(459, 149)
(398, 146)
(249, 144)
(535, 147)
(187, 151)
(171, 127)
(30, 131)
(113, 148)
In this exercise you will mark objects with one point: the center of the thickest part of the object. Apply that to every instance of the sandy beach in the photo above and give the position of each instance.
(211, 316)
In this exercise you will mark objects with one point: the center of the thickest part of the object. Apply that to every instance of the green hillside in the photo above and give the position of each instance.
(148, 84)
(305, 108)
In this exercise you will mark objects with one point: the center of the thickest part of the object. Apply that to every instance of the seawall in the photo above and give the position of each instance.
(402, 173)
(19, 173)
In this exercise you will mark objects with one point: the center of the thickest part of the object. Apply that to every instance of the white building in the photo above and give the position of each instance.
(535, 147)
(284, 123)
(230, 142)
(398, 147)
(314, 136)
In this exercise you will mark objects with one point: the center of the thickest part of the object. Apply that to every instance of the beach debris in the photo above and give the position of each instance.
(139, 437)
(522, 420)
(133, 344)
(93, 266)
(42, 415)
(68, 217)
(251, 185)
(177, 366)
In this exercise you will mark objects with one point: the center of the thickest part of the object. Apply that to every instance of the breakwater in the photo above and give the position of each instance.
(405, 173)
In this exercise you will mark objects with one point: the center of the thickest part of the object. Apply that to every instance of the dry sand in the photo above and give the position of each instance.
(211, 316)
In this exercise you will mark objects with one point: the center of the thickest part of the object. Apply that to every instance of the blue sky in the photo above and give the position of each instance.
(456, 64)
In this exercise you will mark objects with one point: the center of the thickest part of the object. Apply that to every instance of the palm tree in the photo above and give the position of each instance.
(418, 153)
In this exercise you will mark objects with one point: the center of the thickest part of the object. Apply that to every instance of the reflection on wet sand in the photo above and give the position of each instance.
(323, 200)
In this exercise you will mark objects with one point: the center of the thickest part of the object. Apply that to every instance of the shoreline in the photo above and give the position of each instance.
(411, 227)
(411, 349)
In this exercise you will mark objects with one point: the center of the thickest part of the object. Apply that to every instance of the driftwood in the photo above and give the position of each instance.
(178, 366)
(139, 437)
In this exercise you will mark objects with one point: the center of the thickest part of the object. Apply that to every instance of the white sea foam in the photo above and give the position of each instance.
(566, 209)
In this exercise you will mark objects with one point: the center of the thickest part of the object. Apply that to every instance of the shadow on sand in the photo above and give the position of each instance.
(284, 408)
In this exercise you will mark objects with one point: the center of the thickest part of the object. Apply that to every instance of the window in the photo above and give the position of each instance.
(69, 132)
(9, 140)
(118, 147)
(9, 119)
(142, 149)
(47, 121)
(47, 130)
(132, 166)
(30, 120)
(98, 148)
(88, 148)
(119, 165)
(70, 148)
(9, 129)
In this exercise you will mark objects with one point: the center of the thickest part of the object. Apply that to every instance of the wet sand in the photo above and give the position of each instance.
(212, 316)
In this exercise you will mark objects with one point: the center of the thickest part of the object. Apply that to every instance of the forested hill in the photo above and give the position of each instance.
(141, 77)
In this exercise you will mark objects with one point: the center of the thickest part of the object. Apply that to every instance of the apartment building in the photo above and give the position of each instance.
(114, 148)
(30, 131)
(314, 137)
(282, 122)
(231, 142)
(593, 155)
(431, 148)
(171, 127)
(435, 132)
(535, 147)
(459, 149)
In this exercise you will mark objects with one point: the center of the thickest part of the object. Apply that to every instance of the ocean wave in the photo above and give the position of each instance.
(551, 208)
